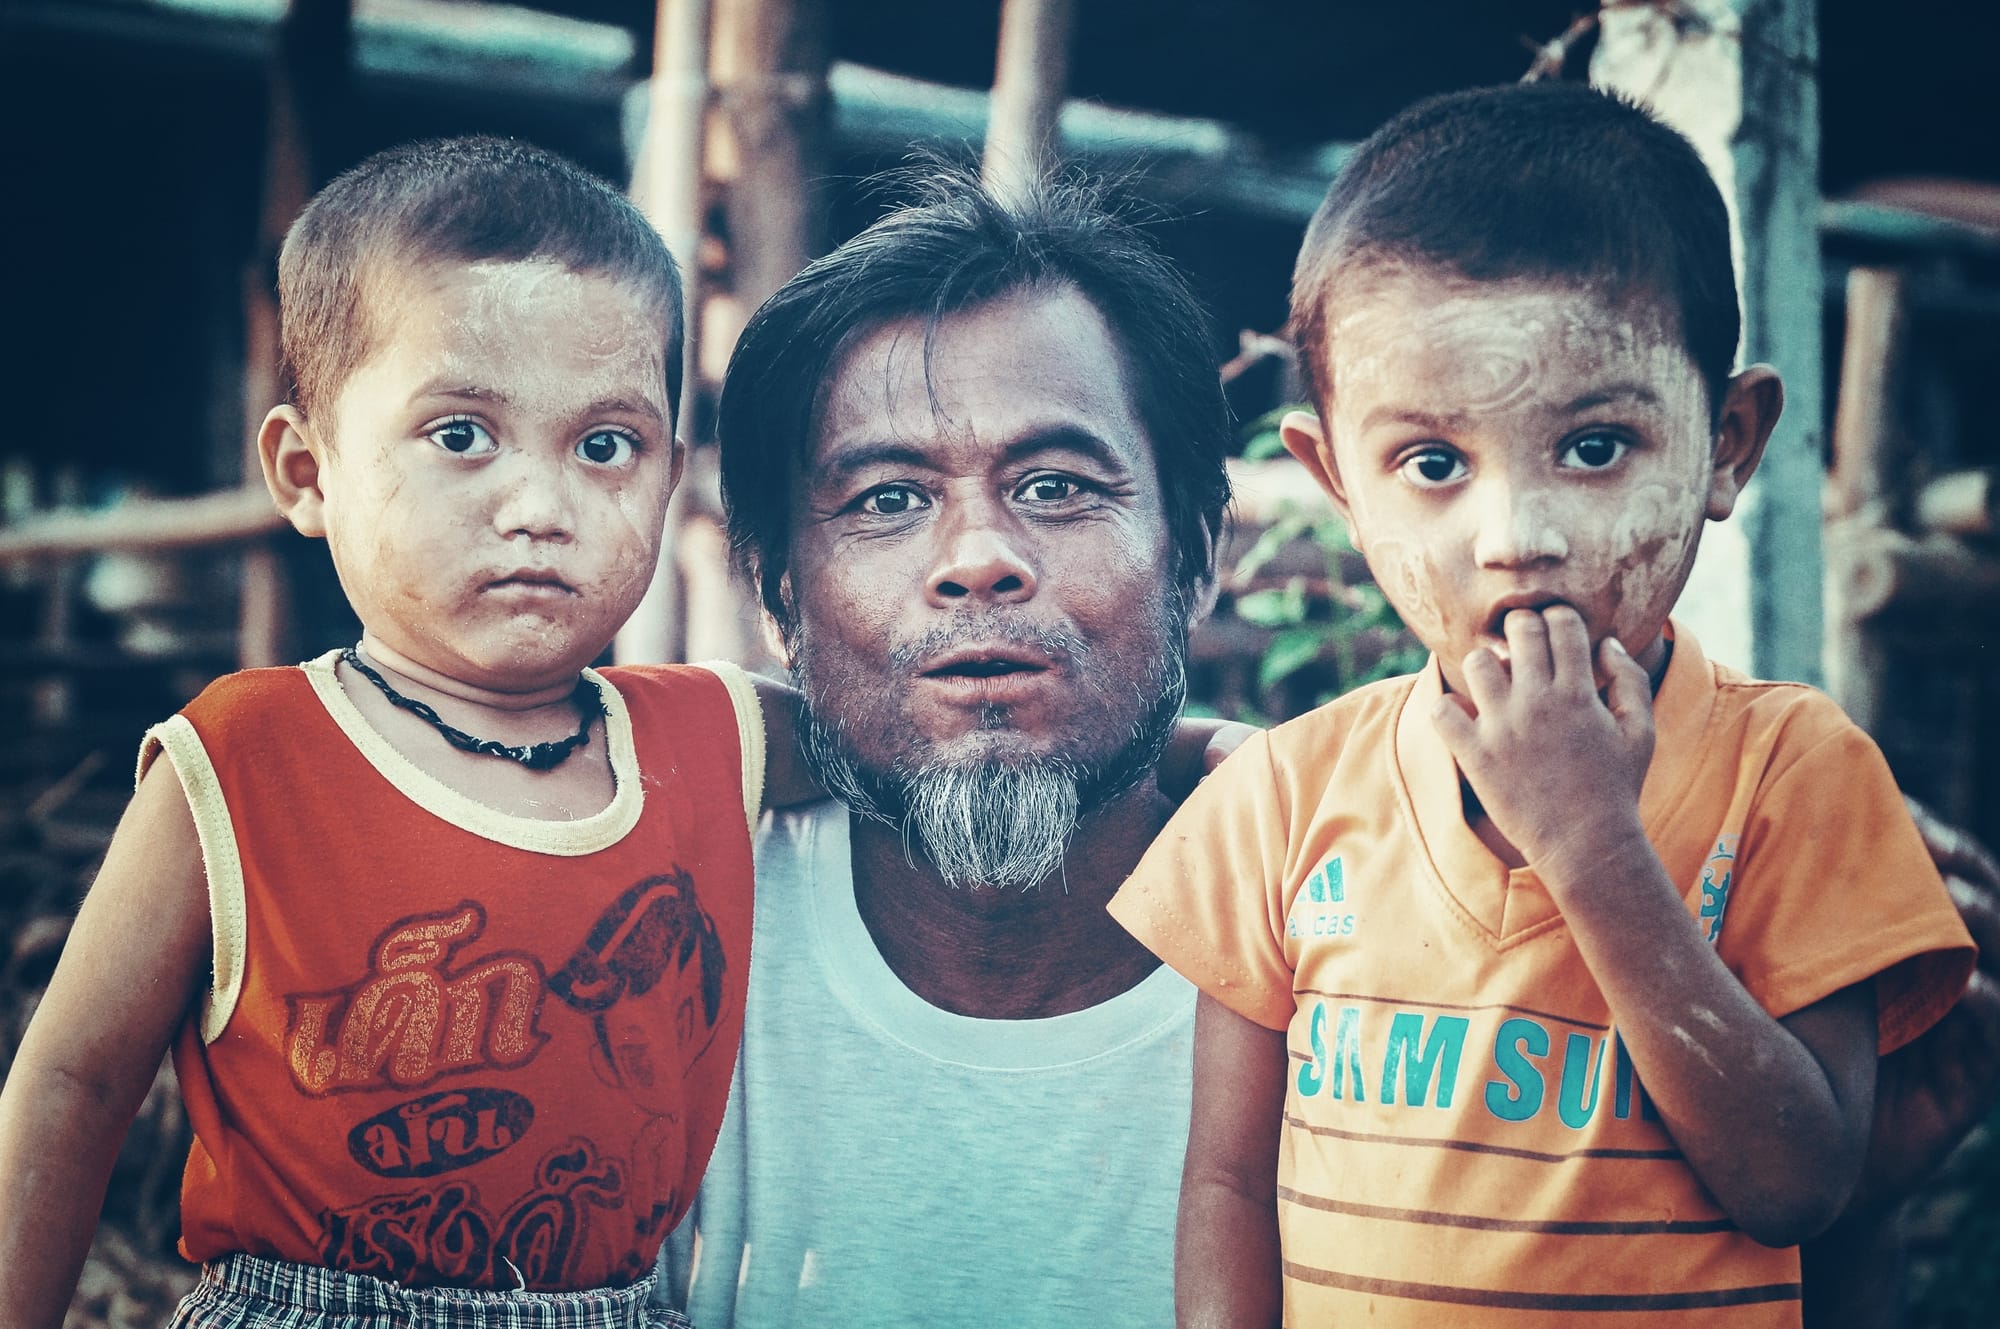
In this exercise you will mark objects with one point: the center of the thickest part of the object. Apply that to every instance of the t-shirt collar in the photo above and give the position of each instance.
(1509, 906)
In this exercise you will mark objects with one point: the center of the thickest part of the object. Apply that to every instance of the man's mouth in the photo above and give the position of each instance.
(978, 664)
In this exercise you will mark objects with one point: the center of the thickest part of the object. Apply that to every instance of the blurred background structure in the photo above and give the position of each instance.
(157, 149)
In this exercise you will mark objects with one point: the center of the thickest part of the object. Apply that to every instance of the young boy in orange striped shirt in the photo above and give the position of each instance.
(1548, 981)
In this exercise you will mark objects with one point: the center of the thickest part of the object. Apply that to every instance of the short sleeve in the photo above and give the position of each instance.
(1832, 886)
(1207, 898)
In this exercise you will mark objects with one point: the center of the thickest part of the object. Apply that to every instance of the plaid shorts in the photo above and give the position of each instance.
(248, 1292)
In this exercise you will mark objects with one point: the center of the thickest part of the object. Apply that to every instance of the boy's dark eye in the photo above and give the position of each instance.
(1433, 466)
(467, 438)
(892, 501)
(607, 447)
(1594, 451)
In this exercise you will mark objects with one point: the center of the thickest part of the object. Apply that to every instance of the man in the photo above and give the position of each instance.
(974, 460)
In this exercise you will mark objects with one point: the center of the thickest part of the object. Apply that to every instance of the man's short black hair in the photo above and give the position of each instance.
(957, 246)
(465, 200)
(1539, 180)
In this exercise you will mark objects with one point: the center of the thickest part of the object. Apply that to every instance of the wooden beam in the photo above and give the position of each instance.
(1867, 428)
(667, 184)
(1030, 75)
(1738, 78)
(230, 517)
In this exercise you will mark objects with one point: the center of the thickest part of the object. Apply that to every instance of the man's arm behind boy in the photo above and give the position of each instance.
(1928, 1095)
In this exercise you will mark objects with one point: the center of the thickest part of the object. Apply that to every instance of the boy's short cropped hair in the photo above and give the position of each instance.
(464, 200)
(1539, 181)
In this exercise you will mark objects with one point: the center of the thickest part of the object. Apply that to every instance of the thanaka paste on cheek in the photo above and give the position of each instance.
(1512, 373)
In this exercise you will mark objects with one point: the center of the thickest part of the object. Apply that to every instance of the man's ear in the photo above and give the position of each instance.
(1305, 438)
(1751, 405)
(293, 461)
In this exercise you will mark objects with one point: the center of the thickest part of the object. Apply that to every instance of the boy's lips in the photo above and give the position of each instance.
(531, 581)
(1496, 621)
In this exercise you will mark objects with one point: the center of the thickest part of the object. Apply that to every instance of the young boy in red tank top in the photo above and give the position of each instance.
(448, 932)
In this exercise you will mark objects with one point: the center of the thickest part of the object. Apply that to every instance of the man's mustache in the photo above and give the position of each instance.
(1057, 645)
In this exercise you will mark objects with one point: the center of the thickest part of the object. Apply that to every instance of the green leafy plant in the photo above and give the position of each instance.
(1346, 620)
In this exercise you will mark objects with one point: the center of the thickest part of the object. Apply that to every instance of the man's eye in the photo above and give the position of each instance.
(1594, 451)
(1433, 466)
(1049, 489)
(467, 438)
(892, 501)
(608, 447)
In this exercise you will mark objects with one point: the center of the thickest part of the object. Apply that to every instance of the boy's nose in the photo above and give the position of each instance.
(536, 502)
(1519, 530)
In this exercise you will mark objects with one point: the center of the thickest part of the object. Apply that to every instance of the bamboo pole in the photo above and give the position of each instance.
(307, 81)
(667, 186)
(770, 74)
(1030, 75)
(1866, 427)
(144, 525)
(1961, 503)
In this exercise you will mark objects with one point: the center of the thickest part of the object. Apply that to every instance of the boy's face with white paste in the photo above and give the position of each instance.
(493, 478)
(1519, 444)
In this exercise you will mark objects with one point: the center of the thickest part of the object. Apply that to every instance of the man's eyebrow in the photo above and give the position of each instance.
(1616, 392)
(1073, 439)
(845, 459)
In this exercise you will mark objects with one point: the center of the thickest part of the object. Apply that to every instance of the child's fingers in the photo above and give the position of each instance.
(1569, 648)
(1453, 715)
(1527, 648)
(1485, 678)
(1628, 693)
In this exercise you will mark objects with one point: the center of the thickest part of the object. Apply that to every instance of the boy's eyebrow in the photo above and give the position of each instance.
(498, 397)
(1409, 415)
(1617, 392)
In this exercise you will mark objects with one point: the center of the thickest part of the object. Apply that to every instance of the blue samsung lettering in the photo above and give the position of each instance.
(1519, 1097)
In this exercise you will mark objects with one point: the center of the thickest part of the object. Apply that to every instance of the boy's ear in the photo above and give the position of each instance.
(1305, 438)
(1751, 405)
(292, 462)
(679, 465)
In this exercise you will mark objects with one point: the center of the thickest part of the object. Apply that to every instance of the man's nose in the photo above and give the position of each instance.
(983, 557)
(1518, 528)
(535, 499)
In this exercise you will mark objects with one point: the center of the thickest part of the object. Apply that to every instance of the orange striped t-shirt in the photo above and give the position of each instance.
(1465, 1142)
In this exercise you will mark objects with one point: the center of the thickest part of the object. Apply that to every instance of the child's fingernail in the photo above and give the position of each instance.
(1614, 644)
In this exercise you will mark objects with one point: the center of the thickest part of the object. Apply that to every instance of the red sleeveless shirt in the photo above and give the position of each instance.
(447, 1045)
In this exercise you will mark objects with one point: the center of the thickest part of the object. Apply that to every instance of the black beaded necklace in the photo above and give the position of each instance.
(589, 699)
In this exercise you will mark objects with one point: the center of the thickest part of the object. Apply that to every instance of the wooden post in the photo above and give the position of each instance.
(308, 84)
(1867, 419)
(770, 76)
(1736, 76)
(768, 65)
(667, 185)
(1030, 75)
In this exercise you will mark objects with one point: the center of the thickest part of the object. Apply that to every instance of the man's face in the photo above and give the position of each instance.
(498, 468)
(979, 558)
(1516, 445)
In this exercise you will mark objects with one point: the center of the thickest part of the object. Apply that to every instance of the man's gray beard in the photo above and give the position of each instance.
(997, 821)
